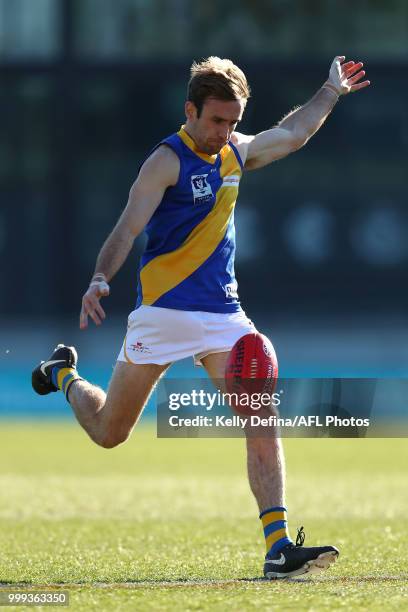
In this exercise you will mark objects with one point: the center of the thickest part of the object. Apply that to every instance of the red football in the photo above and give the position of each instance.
(252, 368)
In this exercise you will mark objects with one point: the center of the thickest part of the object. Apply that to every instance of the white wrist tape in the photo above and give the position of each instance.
(337, 79)
(102, 286)
(99, 276)
(332, 89)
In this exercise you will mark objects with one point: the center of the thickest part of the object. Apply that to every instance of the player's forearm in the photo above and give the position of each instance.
(306, 120)
(114, 252)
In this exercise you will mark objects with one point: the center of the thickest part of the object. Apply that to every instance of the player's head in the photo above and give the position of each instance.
(216, 97)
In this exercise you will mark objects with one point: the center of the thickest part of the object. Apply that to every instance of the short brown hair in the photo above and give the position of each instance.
(216, 78)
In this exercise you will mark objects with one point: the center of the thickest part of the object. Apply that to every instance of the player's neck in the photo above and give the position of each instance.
(190, 132)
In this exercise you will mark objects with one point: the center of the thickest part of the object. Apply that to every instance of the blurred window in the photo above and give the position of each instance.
(380, 235)
(142, 29)
(29, 29)
(309, 233)
(250, 233)
(26, 146)
(130, 28)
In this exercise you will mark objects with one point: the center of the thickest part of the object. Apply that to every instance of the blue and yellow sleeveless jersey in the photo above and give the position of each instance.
(188, 263)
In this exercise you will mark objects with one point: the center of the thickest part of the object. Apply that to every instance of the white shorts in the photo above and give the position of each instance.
(163, 335)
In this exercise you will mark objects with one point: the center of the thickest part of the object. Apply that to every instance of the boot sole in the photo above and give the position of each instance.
(314, 566)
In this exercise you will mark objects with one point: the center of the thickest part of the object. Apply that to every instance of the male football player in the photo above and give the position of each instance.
(187, 305)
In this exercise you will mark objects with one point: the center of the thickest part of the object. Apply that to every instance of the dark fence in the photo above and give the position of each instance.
(324, 229)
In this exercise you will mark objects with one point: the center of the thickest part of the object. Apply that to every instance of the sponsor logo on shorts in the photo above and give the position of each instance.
(202, 191)
(139, 347)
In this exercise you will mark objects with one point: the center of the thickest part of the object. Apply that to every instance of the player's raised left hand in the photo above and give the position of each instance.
(345, 77)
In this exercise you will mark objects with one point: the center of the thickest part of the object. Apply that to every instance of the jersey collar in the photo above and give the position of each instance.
(189, 142)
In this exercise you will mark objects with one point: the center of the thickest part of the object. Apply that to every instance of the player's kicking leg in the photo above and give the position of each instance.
(107, 418)
(266, 474)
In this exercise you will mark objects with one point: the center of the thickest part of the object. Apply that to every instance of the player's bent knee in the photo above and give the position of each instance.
(113, 439)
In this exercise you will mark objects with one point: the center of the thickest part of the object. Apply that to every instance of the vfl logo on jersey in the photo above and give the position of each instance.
(202, 191)
(231, 290)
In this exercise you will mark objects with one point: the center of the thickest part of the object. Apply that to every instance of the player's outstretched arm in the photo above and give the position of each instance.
(158, 172)
(299, 125)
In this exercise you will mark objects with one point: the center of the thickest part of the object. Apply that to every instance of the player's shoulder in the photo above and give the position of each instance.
(241, 142)
(162, 164)
(162, 155)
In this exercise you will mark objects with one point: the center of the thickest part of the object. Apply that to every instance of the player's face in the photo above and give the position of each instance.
(213, 128)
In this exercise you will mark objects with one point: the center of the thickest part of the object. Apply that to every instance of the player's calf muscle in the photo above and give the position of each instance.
(97, 418)
(87, 402)
(110, 418)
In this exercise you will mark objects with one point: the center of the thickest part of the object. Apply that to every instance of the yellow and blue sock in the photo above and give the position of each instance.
(63, 378)
(275, 526)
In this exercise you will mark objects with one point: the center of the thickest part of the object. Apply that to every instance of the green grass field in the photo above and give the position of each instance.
(171, 524)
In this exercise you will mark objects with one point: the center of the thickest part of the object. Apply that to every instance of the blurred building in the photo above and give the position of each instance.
(89, 86)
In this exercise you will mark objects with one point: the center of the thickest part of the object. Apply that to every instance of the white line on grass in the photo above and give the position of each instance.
(201, 583)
